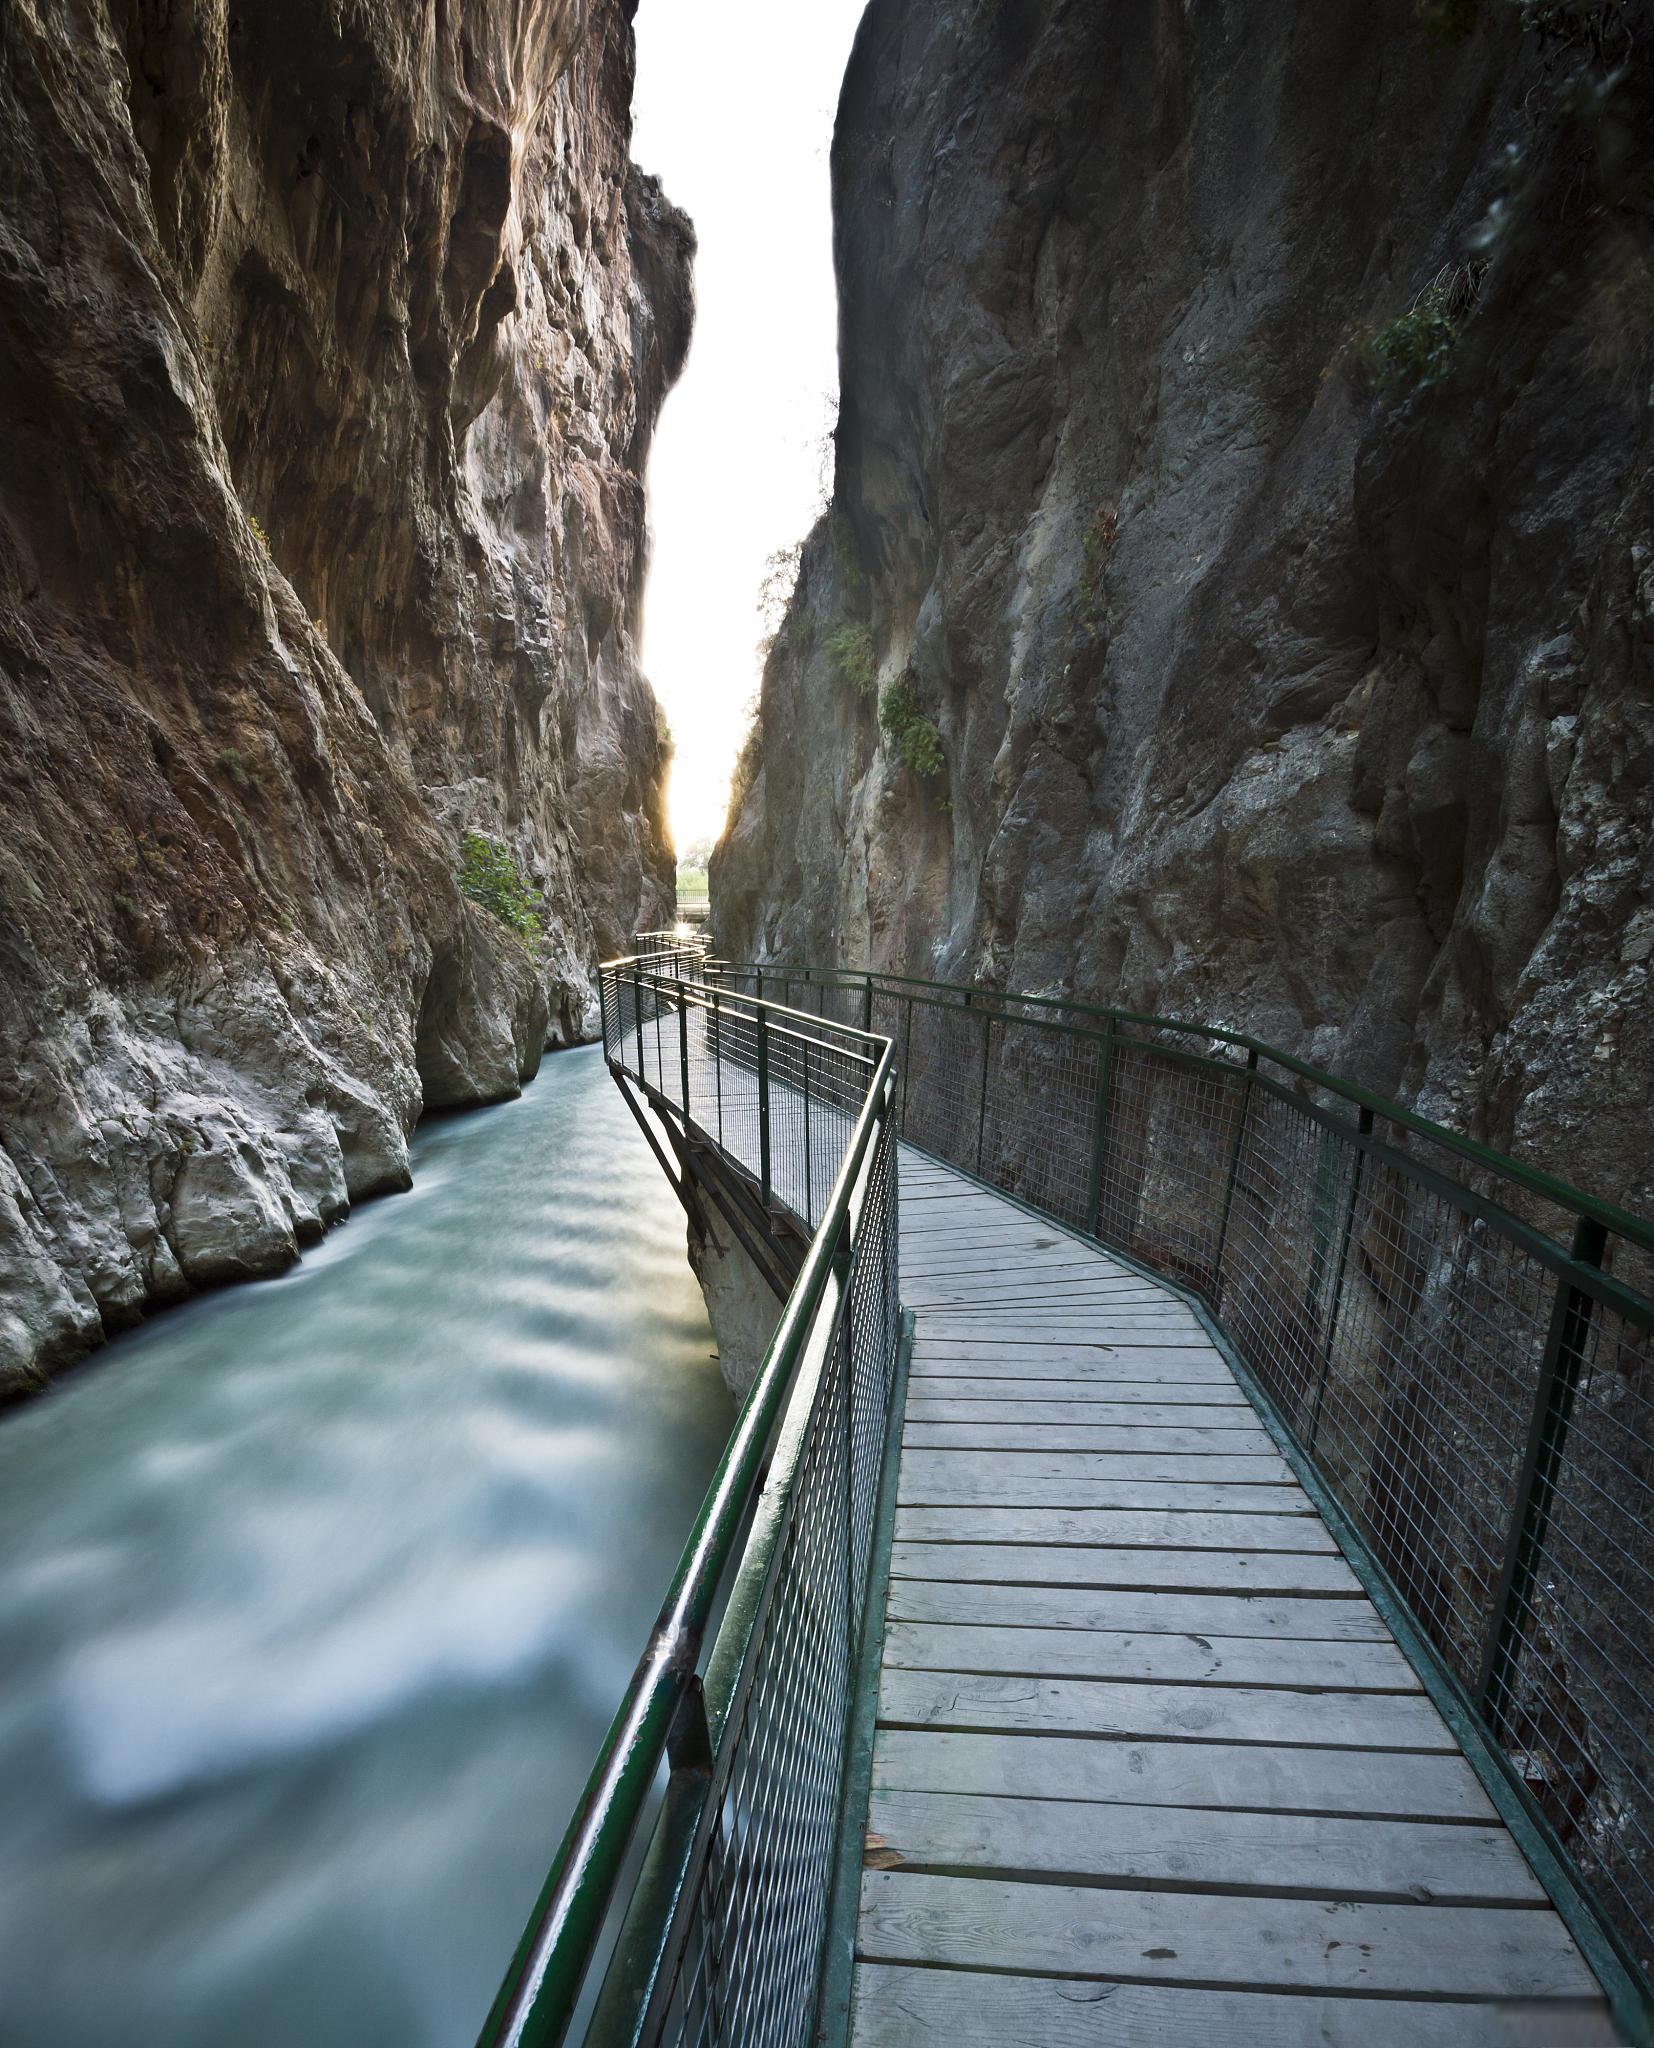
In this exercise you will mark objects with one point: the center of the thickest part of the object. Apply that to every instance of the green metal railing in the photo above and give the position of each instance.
(1456, 1351)
(721, 1937)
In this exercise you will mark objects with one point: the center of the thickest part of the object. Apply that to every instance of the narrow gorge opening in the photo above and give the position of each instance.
(1028, 627)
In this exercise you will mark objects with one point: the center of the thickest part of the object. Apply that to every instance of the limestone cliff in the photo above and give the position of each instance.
(1244, 464)
(332, 335)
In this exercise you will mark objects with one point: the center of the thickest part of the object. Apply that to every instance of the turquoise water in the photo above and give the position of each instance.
(316, 1597)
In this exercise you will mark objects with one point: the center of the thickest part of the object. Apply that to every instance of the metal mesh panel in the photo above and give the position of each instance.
(747, 1970)
(782, 1097)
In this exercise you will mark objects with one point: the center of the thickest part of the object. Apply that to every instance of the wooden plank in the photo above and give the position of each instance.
(1266, 1468)
(1055, 1287)
(1126, 1393)
(1136, 1609)
(1193, 1713)
(1165, 1529)
(1397, 1785)
(1178, 1659)
(1195, 1364)
(902, 2007)
(1102, 1410)
(1078, 1436)
(1183, 1571)
(1169, 1330)
(1035, 1255)
(1058, 1283)
(1279, 1944)
(995, 1487)
(1290, 1855)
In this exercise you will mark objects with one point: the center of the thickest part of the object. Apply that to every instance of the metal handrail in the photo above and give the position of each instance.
(663, 1710)
(1638, 1230)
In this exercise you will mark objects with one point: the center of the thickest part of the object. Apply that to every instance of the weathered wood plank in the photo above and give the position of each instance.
(1021, 1326)
(1102, 1411)
(1051, 1285)
(1026, 1468)
(1176, 1659)
(1168, 1529)
(1176, 1847)
(1196, 1713)
(1034, 1255)
(1085, 1316)
(994, 1487)
(1079, 1436)
(1194, 1364)
(902, 2007)
(1398, 1785)
(1122, 1393)
(1283, 1944)
(1036, 1269)
(1137, 1609)
(1189, 1571)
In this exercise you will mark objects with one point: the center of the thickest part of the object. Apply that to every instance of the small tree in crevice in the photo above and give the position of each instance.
(1418, 348)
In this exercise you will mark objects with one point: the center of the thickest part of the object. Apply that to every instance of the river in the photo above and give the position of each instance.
(316, 1597)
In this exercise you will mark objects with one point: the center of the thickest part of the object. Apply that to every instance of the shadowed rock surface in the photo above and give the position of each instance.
(331, 342)
(1290, 672)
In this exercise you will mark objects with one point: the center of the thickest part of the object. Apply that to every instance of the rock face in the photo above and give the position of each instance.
(331, 342)
(1244, 459)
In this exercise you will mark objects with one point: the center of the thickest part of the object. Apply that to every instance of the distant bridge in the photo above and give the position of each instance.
(1182, 1574)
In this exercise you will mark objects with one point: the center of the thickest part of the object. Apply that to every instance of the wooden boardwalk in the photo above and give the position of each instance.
(1149, 1767)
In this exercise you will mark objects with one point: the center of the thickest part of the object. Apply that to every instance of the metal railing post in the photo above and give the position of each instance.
(1553, 1407)
(603, 1009)
(1233, 1175)
(804, 1088)
(907, 1062)
(867, 1005)
(763, 1104)
(1099, 1130)
(1365, 1126)
(982, 1104)
(637, 1018)
(683, 1047)
(718, 1062)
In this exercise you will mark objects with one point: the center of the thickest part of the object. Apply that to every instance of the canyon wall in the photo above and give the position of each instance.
(332, 336)
(1244, 467)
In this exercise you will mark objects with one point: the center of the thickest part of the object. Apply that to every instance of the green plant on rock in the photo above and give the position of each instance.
(850, 649)
(259, 533)
(914, 736)
(489, 876)
(1417, 348)
(232, 763)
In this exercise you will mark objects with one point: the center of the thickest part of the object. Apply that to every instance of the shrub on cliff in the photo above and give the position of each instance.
(913, 735)
(1417, 348)
(489, 876)
(850, 649)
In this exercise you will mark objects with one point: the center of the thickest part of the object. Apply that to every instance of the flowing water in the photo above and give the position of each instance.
(316, 1597)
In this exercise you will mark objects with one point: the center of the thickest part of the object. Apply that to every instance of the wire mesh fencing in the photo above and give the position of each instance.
(1456, 1344)
(721, 1940)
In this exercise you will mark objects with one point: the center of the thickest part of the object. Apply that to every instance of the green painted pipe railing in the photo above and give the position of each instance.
(752, 1734)
(1455, 1349)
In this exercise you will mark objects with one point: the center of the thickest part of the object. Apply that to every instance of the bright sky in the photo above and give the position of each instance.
(734, 113)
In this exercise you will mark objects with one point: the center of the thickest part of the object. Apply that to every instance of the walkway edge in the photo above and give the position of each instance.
(838, 1965)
